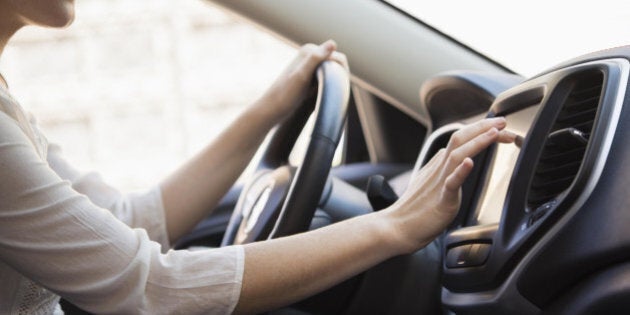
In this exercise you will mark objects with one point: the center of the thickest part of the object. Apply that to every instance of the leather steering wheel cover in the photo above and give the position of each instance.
(330, 111)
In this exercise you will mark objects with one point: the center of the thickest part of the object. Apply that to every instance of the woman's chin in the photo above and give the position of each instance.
(57, 14)
(62, 18)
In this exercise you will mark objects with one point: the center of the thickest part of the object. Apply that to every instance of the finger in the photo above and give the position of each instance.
(340, 59)
(436, 158)
(506, 136)
(315, 54)
(518, 141)
(310, 56)
(456, 179)
(471, 131)
(431, 169)
(471, 148)
(329, 46)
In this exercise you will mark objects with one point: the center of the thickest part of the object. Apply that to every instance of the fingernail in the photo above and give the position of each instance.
(330, 45)
(500, 120)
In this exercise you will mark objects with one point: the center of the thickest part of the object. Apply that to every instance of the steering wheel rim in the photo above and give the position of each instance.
(279, 200)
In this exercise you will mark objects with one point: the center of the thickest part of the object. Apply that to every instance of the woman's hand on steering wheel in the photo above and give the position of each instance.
(280, 199)
(290, 88)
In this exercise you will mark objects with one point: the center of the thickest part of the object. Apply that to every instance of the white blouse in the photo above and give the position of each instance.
(63, 233)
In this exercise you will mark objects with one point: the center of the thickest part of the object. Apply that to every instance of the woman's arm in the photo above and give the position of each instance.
(57, 238)
(137, 210)
(285, 270)
(195, 188)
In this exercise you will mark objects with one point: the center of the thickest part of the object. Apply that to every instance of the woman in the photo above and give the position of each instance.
(70, 235)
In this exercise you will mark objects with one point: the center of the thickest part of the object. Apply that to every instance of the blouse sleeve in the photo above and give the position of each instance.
(137, 210)
(63, 241)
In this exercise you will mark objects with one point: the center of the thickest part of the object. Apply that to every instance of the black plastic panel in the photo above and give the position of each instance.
(605, 292)
(596, 237)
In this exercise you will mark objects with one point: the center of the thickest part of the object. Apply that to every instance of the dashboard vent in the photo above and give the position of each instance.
(565, 145)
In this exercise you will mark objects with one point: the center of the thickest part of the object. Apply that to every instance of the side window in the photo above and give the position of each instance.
(133, 88)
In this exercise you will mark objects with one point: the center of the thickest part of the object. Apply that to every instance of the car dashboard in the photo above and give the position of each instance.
(542, 220)
(543, 225)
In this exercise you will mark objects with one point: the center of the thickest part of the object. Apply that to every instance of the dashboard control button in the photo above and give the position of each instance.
(457, 257)
(469, 255)
(478, 254)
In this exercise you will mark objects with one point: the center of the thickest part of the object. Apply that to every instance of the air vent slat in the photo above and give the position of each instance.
(592, 90)
(585, 126)
(549, 172)
(559, 156)
(548, 192)
(583, 104)
(554, 187)
(577, 117)
(564, 149)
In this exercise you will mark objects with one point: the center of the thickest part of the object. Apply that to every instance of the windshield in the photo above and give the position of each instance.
(527, 36)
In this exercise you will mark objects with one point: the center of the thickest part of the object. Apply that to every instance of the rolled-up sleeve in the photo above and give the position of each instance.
(69, 244)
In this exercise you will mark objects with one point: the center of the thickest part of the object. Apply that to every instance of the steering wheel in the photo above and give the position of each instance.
(279, 199)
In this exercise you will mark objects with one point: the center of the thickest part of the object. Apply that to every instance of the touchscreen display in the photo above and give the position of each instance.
(501, 167)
